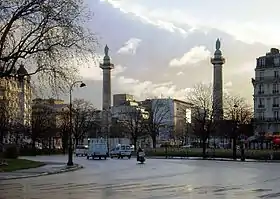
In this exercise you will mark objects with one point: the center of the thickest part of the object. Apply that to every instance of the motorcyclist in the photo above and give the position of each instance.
(138, 151)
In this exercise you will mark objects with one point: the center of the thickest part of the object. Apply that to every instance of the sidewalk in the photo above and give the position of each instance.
(49, 169)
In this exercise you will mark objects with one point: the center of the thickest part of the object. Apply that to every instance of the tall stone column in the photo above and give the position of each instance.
(106, 66)
(218, 62)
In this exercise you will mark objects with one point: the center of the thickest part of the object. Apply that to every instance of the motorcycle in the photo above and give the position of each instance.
(141, 157)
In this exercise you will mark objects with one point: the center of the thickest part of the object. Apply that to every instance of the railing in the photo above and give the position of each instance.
(268, 78)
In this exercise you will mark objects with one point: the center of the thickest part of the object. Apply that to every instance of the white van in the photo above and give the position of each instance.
(97, 148)
(121, 151)
(81, 150)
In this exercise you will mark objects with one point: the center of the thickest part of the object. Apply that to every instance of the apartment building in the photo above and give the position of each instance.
(266, 93)
(16, 100)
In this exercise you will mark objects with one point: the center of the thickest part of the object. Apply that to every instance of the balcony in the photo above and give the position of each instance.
(268, 79)
(267, 120)
(275, 105)
(260, 106)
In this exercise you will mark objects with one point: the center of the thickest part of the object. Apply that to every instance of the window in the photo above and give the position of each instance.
(261, 115)
(276, 114)
(276, 74)
(262, 61)
(275, 88)
(261, 75)
(275, 102)
(261, 89)
(261, 102)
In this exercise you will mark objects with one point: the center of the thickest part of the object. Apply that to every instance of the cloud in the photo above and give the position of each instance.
(228, 84)
(186, 20)
(148, 89)
(180, 73)
(195, 55)
(90, 70)
(130, 46)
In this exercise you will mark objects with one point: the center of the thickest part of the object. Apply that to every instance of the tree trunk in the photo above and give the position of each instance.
(76, 142)
(135, 143)
(204, 146)
(154, 140)
(33, 144)
(234, 148)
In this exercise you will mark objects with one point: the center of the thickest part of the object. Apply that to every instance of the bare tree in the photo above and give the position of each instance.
(159, 118)
(133, 123)
(43, 124)
(64, 128)
(83, 118)
(45, 34)
(237, 108)
(202, 112)
(240, 113)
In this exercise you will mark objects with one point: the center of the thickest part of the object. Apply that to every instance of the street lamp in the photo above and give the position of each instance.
(70, 147)
(234, 132)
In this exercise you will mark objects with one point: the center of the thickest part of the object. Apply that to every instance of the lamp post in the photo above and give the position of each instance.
(234, 132)
(70, 147)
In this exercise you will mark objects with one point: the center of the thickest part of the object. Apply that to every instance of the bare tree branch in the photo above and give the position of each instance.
(83, 118)
(45, 35)
(159, 116)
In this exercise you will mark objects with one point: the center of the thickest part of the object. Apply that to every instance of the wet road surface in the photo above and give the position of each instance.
(172, 179)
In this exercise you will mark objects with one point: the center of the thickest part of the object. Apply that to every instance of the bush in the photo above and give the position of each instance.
(11, 152)
(224, 153)
(34, 152)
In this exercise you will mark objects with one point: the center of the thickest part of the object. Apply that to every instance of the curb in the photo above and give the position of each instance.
(70, 169)
(213, 159)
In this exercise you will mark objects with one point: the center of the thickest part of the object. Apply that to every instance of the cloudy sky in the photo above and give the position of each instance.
(163, 47)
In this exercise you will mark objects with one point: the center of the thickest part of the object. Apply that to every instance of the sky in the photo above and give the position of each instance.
(163, 47)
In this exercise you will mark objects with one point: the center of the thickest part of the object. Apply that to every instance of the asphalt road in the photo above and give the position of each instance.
(172, 179)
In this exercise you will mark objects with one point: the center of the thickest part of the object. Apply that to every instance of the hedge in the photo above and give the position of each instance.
(32, 152)
(249, 154)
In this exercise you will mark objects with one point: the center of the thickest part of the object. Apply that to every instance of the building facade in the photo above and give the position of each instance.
(15, 101)
(55, 112)
(171, 114)
(266, 93)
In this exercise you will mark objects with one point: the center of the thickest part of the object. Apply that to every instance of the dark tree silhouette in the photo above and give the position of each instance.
(83, 118)
(159, 113)
(202, 112)
(133, 123)
(44, 35)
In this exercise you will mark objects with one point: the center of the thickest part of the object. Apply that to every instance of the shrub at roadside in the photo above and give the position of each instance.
(32, 152)
(251, 154)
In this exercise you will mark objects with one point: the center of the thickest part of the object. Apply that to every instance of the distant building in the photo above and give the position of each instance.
(122, 99)
(172, 114)
(266, 93)
(58, 108)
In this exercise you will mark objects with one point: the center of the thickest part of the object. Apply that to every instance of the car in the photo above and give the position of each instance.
(121, 151)
(187, 146)
(81, 150)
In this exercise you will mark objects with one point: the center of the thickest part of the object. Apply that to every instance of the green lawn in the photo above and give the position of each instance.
(18, 164)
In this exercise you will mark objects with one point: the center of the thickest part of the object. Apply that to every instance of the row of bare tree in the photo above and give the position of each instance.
(237, 112)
